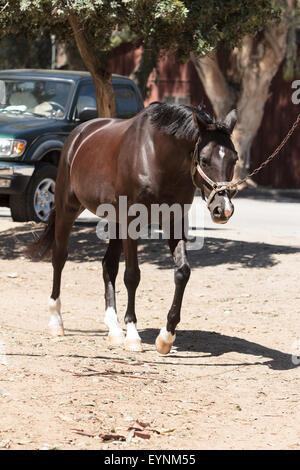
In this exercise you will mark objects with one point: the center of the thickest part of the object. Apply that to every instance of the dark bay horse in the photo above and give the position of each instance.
(147, 158)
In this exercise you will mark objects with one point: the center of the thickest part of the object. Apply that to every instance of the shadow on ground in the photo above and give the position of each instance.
(271, 195)
(199, 345)
(85, 246)
(214, 344)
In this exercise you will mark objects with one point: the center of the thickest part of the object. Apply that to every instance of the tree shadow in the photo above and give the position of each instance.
(271, 195)
(85, 246)
(215, 344)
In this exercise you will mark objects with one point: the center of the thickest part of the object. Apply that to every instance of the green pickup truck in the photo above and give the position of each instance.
(38, 110)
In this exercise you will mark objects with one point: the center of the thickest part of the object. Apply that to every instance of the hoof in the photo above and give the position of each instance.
(57, 330)
(133, 345)
(117, 339)
(164, 341)
(163, 347)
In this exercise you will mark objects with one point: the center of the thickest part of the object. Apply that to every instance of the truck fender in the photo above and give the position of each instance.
(46, 147)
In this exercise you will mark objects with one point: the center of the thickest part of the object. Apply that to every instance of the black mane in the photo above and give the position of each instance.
(178, 121)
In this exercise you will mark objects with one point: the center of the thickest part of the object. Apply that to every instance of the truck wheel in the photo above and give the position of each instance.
(38, 200)
(39, 195)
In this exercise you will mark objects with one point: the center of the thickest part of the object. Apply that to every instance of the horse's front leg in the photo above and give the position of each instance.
(110, 265)
(166, 337)
(131, 279)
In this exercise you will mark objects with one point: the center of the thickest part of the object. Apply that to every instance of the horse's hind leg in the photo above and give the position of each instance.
(131, 279)
(166, 337)
(110, 266)
(64, 220)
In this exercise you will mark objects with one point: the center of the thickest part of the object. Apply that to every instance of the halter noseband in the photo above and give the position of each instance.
(216, 187)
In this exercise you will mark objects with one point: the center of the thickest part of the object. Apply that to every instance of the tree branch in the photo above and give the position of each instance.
(88, 55)
(4, 7)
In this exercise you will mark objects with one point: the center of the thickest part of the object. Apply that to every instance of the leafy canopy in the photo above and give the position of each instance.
(181, 25)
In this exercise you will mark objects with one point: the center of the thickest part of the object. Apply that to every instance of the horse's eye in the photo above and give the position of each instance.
(204, 161)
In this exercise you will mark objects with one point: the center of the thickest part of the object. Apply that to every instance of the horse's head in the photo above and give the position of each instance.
(216, 158)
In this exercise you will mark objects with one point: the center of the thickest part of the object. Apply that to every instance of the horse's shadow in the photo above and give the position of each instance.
(212, 344)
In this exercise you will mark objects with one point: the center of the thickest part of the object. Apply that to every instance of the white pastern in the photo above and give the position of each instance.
(115, 332)
(164, 341)
(133, 340)
(55, 325)
(132, 332)
(167, 336)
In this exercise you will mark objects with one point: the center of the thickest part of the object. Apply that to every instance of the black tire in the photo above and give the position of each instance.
(41, 187)
(17, 206)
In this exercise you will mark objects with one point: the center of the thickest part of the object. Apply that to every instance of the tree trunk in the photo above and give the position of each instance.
(218, 91)
(68, 57)
(252, 68)
(143, 70)
(259, 64)
(105, 97)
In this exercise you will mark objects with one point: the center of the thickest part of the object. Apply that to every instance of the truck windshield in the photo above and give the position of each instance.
(46, 98)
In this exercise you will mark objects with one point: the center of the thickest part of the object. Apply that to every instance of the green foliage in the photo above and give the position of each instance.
(119, 37)
(183, 25)
(225, 21)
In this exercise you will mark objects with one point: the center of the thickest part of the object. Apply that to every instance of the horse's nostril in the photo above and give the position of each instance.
(217, 211)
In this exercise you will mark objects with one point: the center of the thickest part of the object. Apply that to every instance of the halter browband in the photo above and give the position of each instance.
(216, 187)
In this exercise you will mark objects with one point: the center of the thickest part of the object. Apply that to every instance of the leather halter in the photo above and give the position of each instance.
(216, 187)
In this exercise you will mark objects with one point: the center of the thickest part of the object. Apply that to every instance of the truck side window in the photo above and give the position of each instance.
(126, 101)
(86, 98)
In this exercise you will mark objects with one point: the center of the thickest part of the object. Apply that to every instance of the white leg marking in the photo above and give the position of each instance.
(167, 336)
(164, 341)
(55, 325)
(133, 340)
(132, 332)
(115, 332)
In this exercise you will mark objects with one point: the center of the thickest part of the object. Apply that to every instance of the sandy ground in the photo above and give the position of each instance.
(230, 382)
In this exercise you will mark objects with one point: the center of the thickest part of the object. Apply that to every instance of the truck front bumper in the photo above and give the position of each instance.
(14, 177)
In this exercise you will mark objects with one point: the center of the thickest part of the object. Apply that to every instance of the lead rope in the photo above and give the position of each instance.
(217, 187)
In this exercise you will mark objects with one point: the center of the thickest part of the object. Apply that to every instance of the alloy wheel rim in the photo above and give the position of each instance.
(44, 198)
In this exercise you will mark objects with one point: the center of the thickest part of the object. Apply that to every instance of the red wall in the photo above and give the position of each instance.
(279, 115)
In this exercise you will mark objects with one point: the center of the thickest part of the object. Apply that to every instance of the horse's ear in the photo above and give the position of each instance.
(200, 123)
(230, 120)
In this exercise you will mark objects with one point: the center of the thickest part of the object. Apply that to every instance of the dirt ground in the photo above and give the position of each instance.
(230, 382)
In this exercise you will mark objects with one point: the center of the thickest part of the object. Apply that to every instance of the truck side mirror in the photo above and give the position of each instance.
(87, 113)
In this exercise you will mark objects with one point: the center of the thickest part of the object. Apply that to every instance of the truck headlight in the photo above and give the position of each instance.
(11, 147)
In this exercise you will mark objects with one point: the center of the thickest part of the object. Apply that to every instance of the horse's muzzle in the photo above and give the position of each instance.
(221, 212)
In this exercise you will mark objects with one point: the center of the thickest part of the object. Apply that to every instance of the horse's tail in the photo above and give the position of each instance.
(41, 247)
